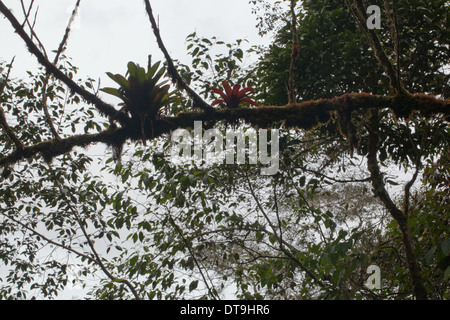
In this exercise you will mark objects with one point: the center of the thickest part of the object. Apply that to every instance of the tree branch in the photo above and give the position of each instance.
(48, 240)
(31, 26)
(174, 74)
(104, 108)
(294, 53)
(392, 18)
(320, 174)
(61, 49)
(360, 16)
(97, 259)
(305, 115)
(400, 217)
(52, 148)
(177, 228)
(278, 236)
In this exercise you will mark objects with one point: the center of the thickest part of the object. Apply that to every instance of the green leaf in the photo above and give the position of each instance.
(140, 77)
(112, 91)
(193, 285)
(445, 246)
(133, 260)
(132, 69)
(272, 239)
(447, 273)
(430, 255)
(120, 80)
(153, 69)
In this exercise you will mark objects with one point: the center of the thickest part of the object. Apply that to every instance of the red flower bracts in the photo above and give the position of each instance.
(233, 97)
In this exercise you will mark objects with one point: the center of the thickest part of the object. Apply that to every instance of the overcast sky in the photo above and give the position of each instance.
(109, 33)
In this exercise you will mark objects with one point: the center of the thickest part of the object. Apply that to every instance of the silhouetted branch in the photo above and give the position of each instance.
(31, 25)
(379, 189)
(61, 49)
(173, 72)
(104, 108)
(305, 115)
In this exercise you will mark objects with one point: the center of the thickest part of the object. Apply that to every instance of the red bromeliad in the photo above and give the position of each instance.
(233, 97)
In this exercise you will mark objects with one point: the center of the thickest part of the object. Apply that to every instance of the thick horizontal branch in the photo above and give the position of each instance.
(304, 115)
(53, 148)
(309, 114)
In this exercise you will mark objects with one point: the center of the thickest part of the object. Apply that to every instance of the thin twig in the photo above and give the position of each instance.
(277, 236)
(31, 26)
(320, 174)
(27, 14)
(98, 259)
(50, 241)
(61, 49)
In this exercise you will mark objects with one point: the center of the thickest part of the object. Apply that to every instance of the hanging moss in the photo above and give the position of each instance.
(344, 120)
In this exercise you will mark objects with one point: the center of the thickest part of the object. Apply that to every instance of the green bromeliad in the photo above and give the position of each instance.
(143, 96)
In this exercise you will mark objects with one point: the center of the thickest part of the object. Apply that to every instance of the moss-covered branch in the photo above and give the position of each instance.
(53, 148)
(304, 115)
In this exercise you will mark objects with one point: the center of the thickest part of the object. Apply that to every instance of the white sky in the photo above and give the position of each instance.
(109, 33)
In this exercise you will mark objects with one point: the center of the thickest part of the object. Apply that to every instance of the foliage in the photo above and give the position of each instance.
(141, 93)
(143, 96)
(146, 228)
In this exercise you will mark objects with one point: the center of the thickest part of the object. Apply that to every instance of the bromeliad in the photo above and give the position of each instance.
(233, 97)
(143, 97)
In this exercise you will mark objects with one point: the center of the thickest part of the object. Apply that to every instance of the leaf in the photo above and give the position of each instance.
(445, 246)
(153, 69)
(120, 80)
(133, 260)
(140, 77)
(132, 68)
(447, 273)
(193, 285)
(228, 90)
(302, 181)
(272, 239)
(429, 256)
(113, 91)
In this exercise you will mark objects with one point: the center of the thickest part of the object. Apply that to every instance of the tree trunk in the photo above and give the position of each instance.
(401, 217)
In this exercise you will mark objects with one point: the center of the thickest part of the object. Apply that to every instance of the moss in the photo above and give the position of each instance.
(343, 116)
(403, 106)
